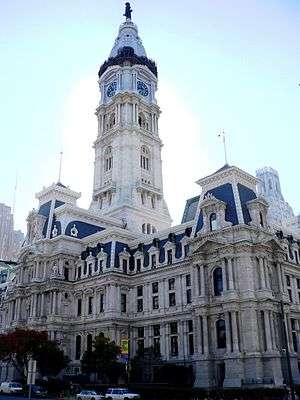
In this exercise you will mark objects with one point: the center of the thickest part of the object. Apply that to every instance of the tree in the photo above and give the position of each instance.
(102, 359)
(142, 365)
(18, 346)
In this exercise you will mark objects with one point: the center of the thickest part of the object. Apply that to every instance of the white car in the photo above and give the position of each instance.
(121, 394)
(11, 387)
(89, 395)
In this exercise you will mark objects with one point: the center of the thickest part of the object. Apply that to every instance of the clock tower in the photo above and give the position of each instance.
(128, 172)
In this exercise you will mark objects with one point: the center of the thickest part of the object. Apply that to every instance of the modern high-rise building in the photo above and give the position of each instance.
(213, 293)
(10, 240)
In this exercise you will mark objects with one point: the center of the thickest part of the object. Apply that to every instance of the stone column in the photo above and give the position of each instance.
(230, 273)
(202, 280)
(262, 273)
(205, 335)
(228, 332)
(31, 305)
(59, 302)
(54, 296)
(179, 291)
(45, 270)
(235, 337)
(279, 277)
(268, 330)
(42, 304)
(224, 275)
(268, 283)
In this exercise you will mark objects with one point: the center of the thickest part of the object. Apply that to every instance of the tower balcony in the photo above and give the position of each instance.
(110, 186)
(144, 186)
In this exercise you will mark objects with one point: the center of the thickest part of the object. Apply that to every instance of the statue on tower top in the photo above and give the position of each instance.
(128, 11)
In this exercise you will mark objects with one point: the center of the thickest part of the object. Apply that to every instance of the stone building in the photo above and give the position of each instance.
(10, 240)
(206, 293)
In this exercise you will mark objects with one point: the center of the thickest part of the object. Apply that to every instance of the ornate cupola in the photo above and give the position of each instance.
(128, 173)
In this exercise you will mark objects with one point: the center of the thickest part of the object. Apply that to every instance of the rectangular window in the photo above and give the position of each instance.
(155, 303)
(140, 345)
(290, 295)
(189, 296)
(101, 302)
(188, 280)
(123, 302)
(124, 266)
(90, 308)
(79, 306)
(298, 283)
(172, 299)
(156, 345)
(140, 332)
(288, 280)
(155, 287)
(191, 344)
(156, 330)
(172, 284)
(140, 305)
(79, 273)
(138, 264)
(100, 263)
(153, 260)
(190, 325)
(170, 256)
(173, 328)
(174, 346)
(139, 291)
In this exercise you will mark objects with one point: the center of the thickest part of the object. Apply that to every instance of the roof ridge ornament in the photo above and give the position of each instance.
(128, 11)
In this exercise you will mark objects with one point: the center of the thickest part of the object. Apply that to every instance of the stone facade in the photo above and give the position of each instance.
(206, 293)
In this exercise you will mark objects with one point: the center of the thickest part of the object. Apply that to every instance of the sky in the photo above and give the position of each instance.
(227, 65)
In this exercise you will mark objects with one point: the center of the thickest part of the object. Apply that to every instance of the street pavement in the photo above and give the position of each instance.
(21, 397)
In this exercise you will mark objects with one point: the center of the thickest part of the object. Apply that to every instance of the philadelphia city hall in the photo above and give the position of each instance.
(214, 292)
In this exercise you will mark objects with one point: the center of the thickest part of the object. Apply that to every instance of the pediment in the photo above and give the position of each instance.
(207, 244)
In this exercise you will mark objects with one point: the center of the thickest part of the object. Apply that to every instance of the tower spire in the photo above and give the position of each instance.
(60, 165)
(128, 11)
(223, 136)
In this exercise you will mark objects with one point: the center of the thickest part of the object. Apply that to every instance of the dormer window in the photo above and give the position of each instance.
(153, 260)
(213, 224)
(169, 256)
(261, 220)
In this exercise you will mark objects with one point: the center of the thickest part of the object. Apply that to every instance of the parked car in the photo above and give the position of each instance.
(37, 391)
(11, 387)
(89, 395)
(121, 394)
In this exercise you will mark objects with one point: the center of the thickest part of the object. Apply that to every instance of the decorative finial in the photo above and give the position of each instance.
(60, 164)
(223, 136)
(128, 11)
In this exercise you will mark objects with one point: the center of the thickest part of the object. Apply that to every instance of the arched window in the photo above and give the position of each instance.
(142, 120)
(112, 120)
(213, 225)
(144, 228)
(221, 334)
(153, 229)
(145, 158)
(148, 229)
(270, 184)
(89, 342)
(78, 347)
(108, 159)
(218, 281)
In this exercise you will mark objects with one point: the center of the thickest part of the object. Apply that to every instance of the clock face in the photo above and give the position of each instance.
(142, 88)
(111, 89)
